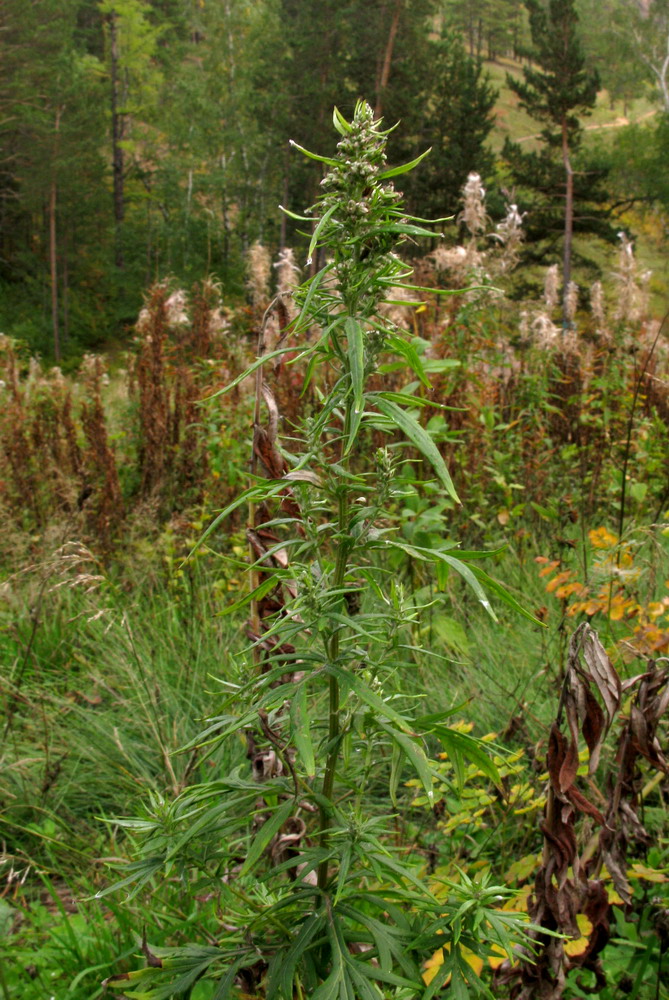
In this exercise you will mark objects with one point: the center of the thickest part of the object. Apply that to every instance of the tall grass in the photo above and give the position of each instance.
(114, 684)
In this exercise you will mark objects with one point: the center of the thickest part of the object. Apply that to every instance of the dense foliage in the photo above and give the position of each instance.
(144, 139)
(333, 593)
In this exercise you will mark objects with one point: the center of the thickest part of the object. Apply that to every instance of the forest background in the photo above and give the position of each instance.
(512, 415)
(144, 140)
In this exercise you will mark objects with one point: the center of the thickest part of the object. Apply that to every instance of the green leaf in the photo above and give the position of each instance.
(265, 834)
(469, 575)
(281, 978)
(399, 214)
(443, 972)
(405, 167)
(422, 288)
(434, 555)
(458, 745)
(339, 122)
(365, 693)
(505, 596)
(405, 398)
(208, 819)
(545, 512)
(254, 595)
(224, 988)
(408, 230)
(395, 773)
(363, 988)
(638, 491)
(248, 371)
(268, 488)
(312, 288)
(450, 632)
(386, 944)
(314, 156)
(408, 351)
(423, 722)
(142, 872)
(335, 986)
(356, 360)
(438, 365)
(294, 215)
(415, 755)
(301, 729)
(322, 223)
(474, 575)
(191, 962)
(385, 976)
(420, 438)
(383, 861)
(468, 554)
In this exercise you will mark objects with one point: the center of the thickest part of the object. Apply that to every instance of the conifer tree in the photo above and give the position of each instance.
(134, 88)
(455, 121)
(556, 91)
(49, 116)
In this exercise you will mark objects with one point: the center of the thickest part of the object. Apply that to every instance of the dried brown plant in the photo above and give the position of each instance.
(570, 883)
(101, 498)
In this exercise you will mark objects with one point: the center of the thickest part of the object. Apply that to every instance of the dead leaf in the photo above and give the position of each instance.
(601, 669)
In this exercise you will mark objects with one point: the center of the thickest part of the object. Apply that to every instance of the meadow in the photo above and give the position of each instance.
(334, 629)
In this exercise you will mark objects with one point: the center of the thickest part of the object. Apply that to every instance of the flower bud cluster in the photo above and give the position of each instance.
(353, 184)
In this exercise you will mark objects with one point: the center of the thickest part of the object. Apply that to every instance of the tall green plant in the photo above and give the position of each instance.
(319, 897)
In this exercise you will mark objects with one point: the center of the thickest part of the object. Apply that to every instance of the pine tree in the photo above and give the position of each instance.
(322, 53)
(456, 120)
(556, 91)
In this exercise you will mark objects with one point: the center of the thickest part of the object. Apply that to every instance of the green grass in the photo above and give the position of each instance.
(114, 684)
(512, 122)
(601, 127)
(105, 703)
(155, 663)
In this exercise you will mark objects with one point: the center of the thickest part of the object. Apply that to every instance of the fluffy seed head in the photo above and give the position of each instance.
(551, 284)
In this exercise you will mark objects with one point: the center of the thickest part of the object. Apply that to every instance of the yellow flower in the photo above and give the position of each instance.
(602, 538)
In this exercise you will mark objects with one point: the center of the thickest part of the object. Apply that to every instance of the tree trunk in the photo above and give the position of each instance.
(568, 224)
(387, 59)
(53, 269)
(224, 209)
(66, 293)
(118, 129)
(53, 245)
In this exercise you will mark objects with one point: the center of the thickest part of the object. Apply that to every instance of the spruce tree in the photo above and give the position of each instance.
(456, 118)
(556, 91)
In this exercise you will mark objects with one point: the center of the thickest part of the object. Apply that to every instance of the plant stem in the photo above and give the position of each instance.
(332, 650)
(628, 441)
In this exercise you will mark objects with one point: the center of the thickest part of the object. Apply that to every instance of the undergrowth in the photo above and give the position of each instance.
(114, 650)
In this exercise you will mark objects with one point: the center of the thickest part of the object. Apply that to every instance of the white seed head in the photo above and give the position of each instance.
(258, 271)
(551, 285)
(597, 305)
(473, 213)
(571, 301)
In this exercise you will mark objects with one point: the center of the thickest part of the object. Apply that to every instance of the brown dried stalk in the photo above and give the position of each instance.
(569, 883)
